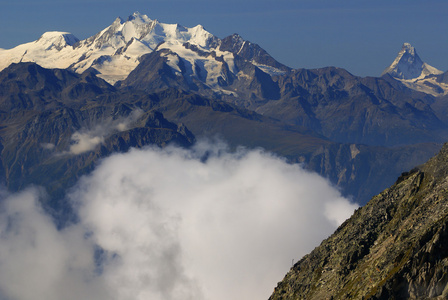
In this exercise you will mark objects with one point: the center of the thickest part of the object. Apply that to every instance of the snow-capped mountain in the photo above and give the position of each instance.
(115, 51)
(408, 65)
(409, 68)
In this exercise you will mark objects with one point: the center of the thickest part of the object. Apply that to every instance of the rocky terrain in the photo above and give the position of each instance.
(46, 112)
(392, 248)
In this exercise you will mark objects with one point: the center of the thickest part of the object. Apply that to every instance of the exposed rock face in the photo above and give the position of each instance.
(42, 110)
(350, 109)
(56, 124)
(250, 52)
(393, 248)
(329, 101)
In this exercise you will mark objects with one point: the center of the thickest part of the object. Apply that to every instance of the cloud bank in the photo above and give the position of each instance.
(39, 262)
(202, 223)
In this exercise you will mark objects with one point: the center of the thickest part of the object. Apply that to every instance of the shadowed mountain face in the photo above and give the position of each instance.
(330, 101)
(250, 52)
(393, 248)
(55, 125)
(58, 123)
(27, 86)
(346, 108)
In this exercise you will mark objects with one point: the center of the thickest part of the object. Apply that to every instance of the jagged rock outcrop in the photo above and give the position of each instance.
(249, 51)
(395, 247)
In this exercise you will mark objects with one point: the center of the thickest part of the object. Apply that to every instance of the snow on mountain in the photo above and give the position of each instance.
(409, 68)
(115, 51)
(408, 65)
(44, 51)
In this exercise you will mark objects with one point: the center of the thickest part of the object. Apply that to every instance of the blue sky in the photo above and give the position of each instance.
(358, 35)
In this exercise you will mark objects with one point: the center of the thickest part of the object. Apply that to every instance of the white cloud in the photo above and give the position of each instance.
(339, 210)
(191, 224)
(86, 140)
(39, 262)
(47, 146)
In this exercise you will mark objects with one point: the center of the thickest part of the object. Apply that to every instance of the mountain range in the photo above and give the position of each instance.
(344, 127)
(66, 103)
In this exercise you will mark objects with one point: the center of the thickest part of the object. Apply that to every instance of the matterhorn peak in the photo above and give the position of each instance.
(408, 65)
(407, 48)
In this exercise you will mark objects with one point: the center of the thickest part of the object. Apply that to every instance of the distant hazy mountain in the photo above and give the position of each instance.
(416, 74)
(330, 101)
(408, 65)
(194, 55)
(58, 123)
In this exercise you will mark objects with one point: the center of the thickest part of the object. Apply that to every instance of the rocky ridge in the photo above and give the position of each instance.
(392, 248)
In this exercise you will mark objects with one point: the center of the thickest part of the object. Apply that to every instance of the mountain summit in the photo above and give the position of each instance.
(410, 70)
(113, 52)
(408, 65)
(117, 50)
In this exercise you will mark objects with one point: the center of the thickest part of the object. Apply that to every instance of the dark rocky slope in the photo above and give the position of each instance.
(41, 108)
(395, 247)
(360, 171)
(55, 125)
(329, 101)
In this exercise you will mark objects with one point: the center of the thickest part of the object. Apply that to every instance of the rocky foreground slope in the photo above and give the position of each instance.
(395, 247)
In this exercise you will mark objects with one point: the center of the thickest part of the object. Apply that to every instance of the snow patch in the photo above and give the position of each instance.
(269, 70)
(427, 84)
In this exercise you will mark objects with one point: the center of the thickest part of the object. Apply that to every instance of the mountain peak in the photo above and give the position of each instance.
(408, 65)
(407, 48)
(57, 39)
(139, 18)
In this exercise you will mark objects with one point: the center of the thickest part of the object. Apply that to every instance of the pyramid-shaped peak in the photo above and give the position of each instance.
(409, 55)
(408, 65)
